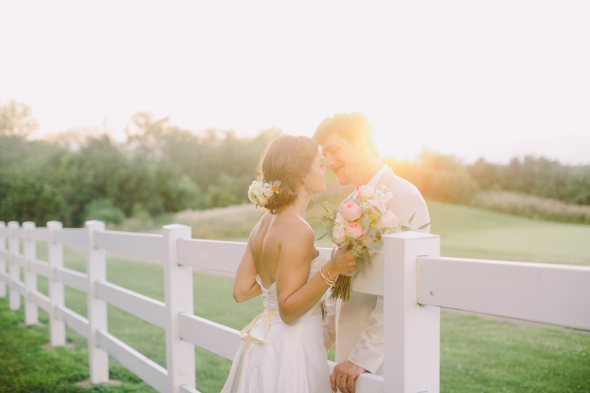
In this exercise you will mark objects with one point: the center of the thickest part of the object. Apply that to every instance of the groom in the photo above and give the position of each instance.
(356, 327)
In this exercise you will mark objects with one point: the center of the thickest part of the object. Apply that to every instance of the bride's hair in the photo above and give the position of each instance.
(287, 159)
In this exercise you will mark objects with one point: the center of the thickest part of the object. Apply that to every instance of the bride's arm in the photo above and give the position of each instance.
(245, 285)
(295, 294)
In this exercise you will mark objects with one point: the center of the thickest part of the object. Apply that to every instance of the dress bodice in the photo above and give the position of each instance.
(269, 296)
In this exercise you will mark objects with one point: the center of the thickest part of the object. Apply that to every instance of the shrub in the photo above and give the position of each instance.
(228, 191)
(104, 210)
(31, 200)
(221, 223)
(536, 176)
(140, 220)
(177, 191)
(533, 207)
(438, 177)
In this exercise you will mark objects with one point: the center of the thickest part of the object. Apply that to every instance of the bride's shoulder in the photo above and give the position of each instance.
(288, 229)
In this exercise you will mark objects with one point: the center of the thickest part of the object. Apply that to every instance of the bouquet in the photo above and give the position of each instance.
(359, 223)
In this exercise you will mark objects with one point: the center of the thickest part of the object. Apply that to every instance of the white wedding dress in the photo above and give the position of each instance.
(279, 358)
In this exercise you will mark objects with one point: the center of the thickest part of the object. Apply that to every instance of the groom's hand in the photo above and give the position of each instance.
(345, 375)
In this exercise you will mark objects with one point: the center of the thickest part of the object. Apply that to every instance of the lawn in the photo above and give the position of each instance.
(477, 354)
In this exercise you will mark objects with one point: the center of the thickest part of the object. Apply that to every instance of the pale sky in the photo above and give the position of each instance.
(496, 79)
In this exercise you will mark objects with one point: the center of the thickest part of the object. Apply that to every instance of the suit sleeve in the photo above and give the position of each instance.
(408, 204)
(368, 353)
(329, 327)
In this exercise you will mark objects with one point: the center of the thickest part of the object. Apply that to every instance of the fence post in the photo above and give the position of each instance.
(57, 328)
(411, 332)
(178, 290)
(14, 270)
(3, 283)
(30, 254)
(96, 269)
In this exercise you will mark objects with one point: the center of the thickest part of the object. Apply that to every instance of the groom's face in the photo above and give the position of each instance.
(343, 157)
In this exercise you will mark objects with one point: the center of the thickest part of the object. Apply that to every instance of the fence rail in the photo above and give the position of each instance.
(414, 280)
(214, 337)
(535, 292)
(144, 307)
(75, 321)
(72, 279)
(151, 372)
(38, 267)
(71, 236)
(138, 244)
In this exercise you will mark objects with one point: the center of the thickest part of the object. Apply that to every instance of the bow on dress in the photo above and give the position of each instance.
(256, 332)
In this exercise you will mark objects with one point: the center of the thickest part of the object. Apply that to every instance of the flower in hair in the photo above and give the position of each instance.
(260, 192)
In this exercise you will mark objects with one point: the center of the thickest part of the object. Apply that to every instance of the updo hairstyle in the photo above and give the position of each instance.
(287, 159)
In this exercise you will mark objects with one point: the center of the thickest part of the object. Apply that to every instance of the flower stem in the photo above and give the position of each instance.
(341, 288)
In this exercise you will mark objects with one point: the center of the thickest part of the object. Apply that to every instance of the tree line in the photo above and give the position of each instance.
(444, 178)
(161, 168)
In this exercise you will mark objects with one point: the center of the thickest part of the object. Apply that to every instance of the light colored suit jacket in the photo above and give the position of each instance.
(356, 327)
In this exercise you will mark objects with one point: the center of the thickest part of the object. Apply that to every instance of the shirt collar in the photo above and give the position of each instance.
(373, 182)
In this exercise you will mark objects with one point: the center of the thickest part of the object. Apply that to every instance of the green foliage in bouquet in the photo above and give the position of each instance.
(360, 226)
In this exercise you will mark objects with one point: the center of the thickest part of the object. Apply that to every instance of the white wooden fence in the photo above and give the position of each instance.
(414, 280)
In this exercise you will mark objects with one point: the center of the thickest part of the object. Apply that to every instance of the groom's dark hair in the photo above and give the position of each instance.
(349, 126)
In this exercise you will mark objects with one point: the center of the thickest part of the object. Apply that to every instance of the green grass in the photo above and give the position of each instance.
(469, 232)
(477, 354)
(26, 367)
(483, 355)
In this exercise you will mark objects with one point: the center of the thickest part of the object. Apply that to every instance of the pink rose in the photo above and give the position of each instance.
(354, 230)
(388, 219)
(377, 206)
(367, 239)
(350, 212)
(366, 192)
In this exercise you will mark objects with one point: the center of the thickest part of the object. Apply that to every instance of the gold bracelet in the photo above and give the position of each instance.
(328, 282)
(324, 278)
(328, 271)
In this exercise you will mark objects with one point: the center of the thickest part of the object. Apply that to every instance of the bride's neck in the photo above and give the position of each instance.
(299, 206)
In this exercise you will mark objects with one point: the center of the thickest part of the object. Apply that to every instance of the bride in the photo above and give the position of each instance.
(283, 348)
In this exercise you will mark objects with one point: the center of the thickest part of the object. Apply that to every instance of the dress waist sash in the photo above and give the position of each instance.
(256, 332)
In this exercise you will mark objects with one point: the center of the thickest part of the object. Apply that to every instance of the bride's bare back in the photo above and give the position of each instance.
(266, 238)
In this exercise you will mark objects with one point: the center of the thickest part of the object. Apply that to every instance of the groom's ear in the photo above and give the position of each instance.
(360, 142)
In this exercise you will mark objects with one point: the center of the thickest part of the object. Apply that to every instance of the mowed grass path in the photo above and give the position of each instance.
(477, 354)
(468, 232)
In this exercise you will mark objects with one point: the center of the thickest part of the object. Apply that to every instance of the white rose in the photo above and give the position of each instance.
(256, 193)
(253, 193)
(366, 192)
(338, 234)
(251, 196)
(259, 195)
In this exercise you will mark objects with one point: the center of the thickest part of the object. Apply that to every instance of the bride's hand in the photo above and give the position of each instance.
(344, 262)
